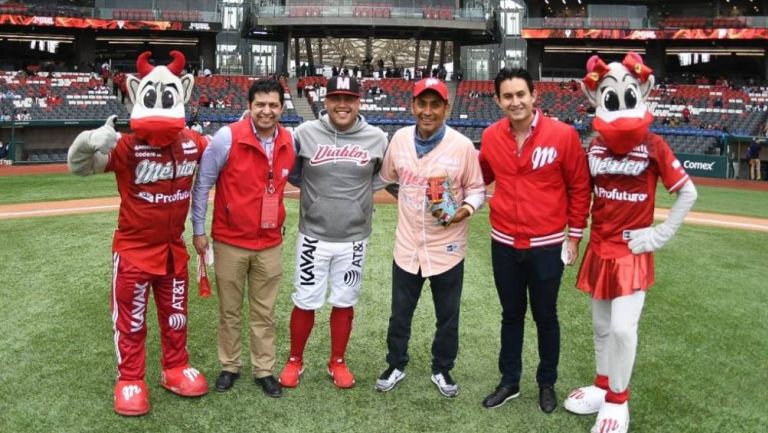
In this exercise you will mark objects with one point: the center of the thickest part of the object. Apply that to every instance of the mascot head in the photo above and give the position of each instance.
(158, 97)
(619, 91)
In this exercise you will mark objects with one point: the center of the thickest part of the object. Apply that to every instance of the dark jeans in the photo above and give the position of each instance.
(518, 273)
(446, 295)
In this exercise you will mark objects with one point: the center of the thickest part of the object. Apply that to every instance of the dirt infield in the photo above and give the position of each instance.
(69, 207)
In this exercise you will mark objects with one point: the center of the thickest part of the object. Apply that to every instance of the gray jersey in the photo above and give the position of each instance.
(336, 172)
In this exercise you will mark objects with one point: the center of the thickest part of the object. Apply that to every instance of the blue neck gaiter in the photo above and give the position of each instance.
(425, 145)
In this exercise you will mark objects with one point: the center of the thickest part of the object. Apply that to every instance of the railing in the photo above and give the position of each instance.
(758, 22)
(423, 13)
(112, 13)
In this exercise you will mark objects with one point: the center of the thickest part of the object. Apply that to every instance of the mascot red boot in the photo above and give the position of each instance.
(154, 167)
(625, 162)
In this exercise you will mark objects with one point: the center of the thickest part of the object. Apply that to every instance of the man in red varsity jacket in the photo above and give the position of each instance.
(542, 186)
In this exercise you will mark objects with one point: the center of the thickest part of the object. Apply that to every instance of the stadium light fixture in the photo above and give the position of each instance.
(171, 43)
(608, 50)
(38, 40)
(753, 52)
(37, 37)
(117, 40)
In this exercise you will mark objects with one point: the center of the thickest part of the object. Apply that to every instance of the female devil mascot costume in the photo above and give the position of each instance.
(625, 162)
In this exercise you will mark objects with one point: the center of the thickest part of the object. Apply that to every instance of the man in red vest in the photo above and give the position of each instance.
(249, 162)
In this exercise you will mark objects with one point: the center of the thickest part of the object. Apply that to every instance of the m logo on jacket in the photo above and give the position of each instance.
(543, 156)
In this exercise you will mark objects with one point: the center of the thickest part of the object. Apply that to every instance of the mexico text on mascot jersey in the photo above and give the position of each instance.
(159, 97)
(618, 91)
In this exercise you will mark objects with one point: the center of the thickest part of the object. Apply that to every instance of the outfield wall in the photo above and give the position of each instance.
(32, 135)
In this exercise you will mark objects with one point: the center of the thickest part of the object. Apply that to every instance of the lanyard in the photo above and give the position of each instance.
(270, 179)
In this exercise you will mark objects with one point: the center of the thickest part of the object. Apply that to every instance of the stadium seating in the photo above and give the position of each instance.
(377, 11)
(133, 14)
(712, 108)
(233, 90)
(185, 15)
(730, 22)
(383, 101)
(437, 13)
(64, 96)
(305, 11)
(685, 23)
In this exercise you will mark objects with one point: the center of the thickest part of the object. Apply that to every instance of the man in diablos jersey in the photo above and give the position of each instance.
(625, 161)
(338, 157)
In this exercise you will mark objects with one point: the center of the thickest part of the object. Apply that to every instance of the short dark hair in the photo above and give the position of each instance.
(266, 85)
(508, 74)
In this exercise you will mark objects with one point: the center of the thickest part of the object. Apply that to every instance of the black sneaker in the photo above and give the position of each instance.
(445, 384)
(547, 398)
(391, 377)
(501, 395)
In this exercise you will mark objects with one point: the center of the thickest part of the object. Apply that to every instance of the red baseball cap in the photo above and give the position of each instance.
(431, 84)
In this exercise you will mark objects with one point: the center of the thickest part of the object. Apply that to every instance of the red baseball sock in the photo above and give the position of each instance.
(341, 328)
(302, 322)
(601, 382)
(617, 397)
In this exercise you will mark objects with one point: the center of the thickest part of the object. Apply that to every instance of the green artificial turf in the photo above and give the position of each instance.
(701, 364)
(54, 187)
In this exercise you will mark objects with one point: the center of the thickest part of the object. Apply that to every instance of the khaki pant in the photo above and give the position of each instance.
(754, 169)
(263, 270)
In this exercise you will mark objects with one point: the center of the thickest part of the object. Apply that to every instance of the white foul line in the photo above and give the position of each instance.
(57, 211)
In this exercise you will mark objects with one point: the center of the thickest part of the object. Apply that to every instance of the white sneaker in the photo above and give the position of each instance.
(585, 401)
(388, 379)
(612, 418)
(445, 384)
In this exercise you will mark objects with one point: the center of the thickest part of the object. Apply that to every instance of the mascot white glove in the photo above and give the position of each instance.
(88, 153)
(104, 139)
(650, 239)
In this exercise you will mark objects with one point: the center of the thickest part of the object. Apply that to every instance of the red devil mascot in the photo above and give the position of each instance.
(154, 167)
(625, 162)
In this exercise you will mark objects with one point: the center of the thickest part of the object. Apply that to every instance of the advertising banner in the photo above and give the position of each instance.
(648, 34)
(704, 165)
(97, 23)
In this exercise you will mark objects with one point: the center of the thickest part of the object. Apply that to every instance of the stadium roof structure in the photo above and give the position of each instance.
(467, 26)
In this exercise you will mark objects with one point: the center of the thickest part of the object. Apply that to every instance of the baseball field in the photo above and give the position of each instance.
(701, 364)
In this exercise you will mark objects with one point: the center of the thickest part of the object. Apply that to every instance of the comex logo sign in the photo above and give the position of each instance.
(696, 165)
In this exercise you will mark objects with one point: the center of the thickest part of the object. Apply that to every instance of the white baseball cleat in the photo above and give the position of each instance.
(612, 418)
(585, 401)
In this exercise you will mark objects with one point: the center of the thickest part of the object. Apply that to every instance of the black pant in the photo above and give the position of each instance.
(535, 272)
(446, 295)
